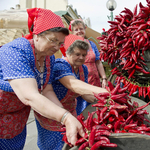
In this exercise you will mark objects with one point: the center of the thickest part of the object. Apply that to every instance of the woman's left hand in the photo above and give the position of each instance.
(104, 83)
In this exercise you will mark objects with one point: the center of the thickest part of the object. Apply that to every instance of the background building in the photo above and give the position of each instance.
(13, 22)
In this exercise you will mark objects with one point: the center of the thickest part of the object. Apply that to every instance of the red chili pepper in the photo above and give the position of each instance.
(108, 145)
(130, 126)
(81, 140)
(135, 10)
(118, 96)
(144, 91)
(100, 127)
(102, 112)
(143, 128)
(140, 91)
(99, 105)
(96, 121)
(84, 145)
(117, 125)
(142, 112)
(119, 107)
(98, 144)
(127, 43)
(98, 138)
(142, 107)
(107, 88)
(115, 90)
(81, 118)
(132, 90)
(130, 87)
(111, 119)
(135, 131)
(138, 38)
(100, 98)
(133, 55)
(131, 74)
(122, 90)
(141, 27)
(104, 95)
(110, 85)
(114, 112)
(91, 137)
(102, 132)
(90, 121)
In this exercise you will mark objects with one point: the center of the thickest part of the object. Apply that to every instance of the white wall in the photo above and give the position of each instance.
(54, 5)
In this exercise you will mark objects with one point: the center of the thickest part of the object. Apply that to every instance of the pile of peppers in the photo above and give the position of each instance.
(125, 44)
(115, 113)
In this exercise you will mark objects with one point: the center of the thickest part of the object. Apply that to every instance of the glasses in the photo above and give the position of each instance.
(56, 43)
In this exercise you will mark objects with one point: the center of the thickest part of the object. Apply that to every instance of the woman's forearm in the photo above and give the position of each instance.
(45, 107)
(100, 69)
(80, 87)
(27, 91)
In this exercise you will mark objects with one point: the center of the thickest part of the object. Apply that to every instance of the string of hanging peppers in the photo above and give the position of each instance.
(126, 44)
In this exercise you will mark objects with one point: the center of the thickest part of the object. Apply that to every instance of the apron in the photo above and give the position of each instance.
(13, 115)
(93, 75)
(68, 102)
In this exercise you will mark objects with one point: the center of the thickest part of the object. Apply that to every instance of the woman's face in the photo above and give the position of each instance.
(77, 58)
(49, 44)
(79, 30)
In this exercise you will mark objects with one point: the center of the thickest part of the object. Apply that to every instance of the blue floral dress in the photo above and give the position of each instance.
(48, 139)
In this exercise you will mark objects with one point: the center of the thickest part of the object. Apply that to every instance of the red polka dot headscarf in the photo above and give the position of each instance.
(42, 19)
(68, 41)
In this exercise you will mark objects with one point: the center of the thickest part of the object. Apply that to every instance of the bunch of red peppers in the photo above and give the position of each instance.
(115, 113)
(128, 39)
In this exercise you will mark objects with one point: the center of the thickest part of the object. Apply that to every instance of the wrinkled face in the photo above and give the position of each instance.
(49, 44)
(79, 30)
(77, 58)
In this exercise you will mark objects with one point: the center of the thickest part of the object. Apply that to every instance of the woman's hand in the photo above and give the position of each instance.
(104, 83)
(73, 127)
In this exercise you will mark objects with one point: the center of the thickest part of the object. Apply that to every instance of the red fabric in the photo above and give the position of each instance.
(13, 115)
(69, 40)
(42, 19)
(93, 75)
(63, 51)
(72, 22)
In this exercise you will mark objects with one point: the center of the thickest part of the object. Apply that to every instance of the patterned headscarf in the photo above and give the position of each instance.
(68, 41)
(42, 19)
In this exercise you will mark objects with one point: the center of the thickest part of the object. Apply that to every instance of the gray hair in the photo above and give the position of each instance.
(79, 44)
(77, 22)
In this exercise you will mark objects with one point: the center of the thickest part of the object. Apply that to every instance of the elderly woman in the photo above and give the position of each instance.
(25, 80)
(92, 61)
(69, 81)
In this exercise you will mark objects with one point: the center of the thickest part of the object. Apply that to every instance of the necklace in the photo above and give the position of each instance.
(41, 71)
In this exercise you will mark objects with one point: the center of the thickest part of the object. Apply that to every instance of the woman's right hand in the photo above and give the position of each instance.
(73, 127)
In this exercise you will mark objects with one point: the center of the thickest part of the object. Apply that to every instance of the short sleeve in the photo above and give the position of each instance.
(61, 68)
(16, 60)
(96, 51)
